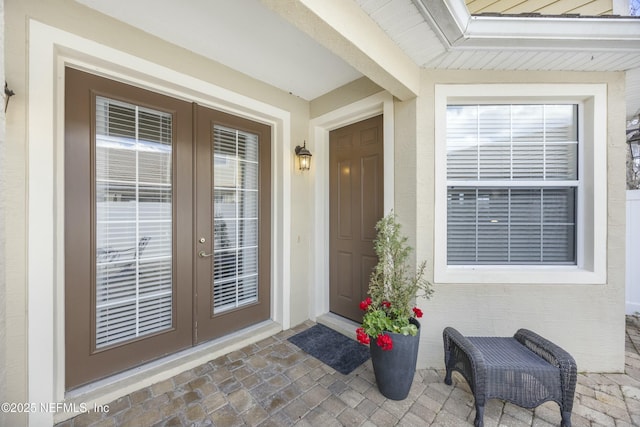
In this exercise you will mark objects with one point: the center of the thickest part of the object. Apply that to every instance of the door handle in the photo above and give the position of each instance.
(203, 254)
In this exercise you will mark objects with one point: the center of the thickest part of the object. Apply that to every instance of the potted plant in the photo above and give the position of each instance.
(389, 323)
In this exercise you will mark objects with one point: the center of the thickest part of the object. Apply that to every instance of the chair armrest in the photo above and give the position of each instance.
(463, 356)
(556, 356)
(544, 348)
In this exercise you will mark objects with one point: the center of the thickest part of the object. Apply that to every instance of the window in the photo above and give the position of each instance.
(512, 176)
(520, 192)
(236, 195)
(133, 190)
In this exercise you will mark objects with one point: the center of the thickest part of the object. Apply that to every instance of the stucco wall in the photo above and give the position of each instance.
(406, 167)
(588, 320)
(84, 22)
(3, 335)
(344, 95)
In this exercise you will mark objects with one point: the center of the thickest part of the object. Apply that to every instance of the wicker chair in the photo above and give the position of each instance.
(526, 370)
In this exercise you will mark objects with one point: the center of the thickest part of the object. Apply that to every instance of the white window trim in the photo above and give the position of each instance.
(592, 193)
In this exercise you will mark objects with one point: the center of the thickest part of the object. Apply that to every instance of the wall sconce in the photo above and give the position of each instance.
(633, 138)
(8, 93)
(304, 157)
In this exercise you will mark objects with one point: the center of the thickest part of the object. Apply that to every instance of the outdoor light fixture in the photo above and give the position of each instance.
(8, 93)
(304, 157)
(633, 138)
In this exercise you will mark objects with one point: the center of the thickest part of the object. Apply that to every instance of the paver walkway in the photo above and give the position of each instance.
(274, 383)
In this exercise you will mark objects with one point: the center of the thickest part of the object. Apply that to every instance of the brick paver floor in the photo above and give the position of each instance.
(274, 383)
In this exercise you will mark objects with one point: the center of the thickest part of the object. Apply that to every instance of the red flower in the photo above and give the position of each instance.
(362, 336)
(386, 304)
(384, 341)
(364, 305)
(417, 312)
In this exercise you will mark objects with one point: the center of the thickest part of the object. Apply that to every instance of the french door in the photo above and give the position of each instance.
(166, 225)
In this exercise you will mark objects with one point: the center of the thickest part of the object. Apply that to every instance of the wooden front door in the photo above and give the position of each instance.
(356, 182)
(157, 189)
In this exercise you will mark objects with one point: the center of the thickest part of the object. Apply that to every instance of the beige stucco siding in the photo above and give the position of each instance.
(588, 320)
(3, 348)
(344, 95)
(14, 191)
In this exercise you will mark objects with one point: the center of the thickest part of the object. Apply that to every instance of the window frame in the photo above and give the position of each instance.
(591, 215)
(492, 183)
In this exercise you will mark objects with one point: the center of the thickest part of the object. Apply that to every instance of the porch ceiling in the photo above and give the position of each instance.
(241, 34)
(311, 52)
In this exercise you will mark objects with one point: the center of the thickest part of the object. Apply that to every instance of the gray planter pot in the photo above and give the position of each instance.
(394, 369)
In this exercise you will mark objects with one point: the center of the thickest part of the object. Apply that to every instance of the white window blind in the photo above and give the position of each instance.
(235, 222)
(133, 188)
(512, 179)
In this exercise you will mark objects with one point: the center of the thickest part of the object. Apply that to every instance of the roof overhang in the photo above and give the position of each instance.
(458, 29)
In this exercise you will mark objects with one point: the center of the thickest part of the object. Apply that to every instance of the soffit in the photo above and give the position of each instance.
(443, 35)
(246, 35)
(241, 34)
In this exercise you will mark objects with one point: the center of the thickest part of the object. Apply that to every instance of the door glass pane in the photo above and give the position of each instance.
(235, 221)
(133, 190)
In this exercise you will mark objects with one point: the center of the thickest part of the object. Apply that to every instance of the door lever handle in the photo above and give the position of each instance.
(203, 254)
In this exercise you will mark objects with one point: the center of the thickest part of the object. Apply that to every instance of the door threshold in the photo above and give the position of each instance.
(109, 389)
(346, 327)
